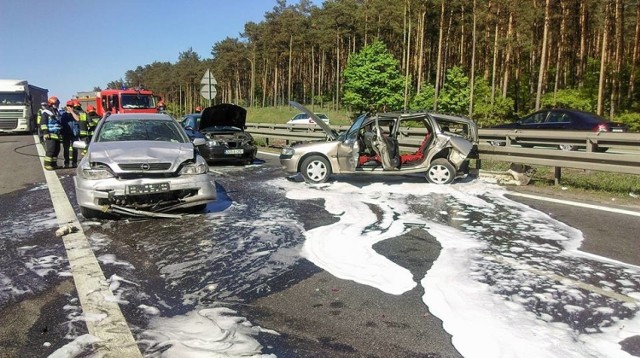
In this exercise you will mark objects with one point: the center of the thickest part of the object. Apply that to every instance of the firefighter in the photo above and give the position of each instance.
(43, 106)
(88, 123)
(51, 128)
(70, 130)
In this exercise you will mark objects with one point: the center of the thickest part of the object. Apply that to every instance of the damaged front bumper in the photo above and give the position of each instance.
(159, 195)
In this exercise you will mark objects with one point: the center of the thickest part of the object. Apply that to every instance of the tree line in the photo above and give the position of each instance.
(505, 57)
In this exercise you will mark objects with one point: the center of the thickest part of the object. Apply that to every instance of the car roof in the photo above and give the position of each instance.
(139, 116)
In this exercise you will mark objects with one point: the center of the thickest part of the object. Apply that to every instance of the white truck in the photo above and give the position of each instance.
(19, 104)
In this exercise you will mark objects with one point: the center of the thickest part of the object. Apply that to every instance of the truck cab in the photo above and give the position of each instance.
(120, 101)
(19, 104)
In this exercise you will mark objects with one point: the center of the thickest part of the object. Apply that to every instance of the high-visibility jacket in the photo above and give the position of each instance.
(50, 124)
(88, 124)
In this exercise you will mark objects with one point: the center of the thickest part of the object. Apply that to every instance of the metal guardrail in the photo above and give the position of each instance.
(538, 150)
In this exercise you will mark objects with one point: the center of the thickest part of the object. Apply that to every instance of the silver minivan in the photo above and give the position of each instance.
(371, 146)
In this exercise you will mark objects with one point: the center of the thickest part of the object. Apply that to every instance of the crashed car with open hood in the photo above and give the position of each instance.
(371, 146)
(223, 128)
(141, 165)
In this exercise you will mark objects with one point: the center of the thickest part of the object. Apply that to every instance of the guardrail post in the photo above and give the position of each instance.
(557, 175)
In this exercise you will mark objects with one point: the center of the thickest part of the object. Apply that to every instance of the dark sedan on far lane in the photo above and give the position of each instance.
(565, 119)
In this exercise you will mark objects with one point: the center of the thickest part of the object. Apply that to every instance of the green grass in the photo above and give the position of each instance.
(621, 185)
(282, 114)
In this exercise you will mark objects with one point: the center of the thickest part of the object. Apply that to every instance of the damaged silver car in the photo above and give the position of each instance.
(141, 165)
(372, 146)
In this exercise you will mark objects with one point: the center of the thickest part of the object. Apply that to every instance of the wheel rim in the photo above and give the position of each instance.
(316, 170)
(566, 147)
(439, 174)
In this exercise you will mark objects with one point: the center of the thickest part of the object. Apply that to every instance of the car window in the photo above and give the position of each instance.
(140, 130)
(300, 116)
(352, 132)
(534, 118)
(557, 117)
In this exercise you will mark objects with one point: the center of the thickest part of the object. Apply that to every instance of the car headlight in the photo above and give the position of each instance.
(95, 172)
(199, 167)
(288, 151)
(212, 143)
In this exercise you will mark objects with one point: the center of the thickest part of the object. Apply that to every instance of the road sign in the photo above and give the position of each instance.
(208, 79)
(208, 92)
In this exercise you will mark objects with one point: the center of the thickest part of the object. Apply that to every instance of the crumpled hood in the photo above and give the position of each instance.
(224, 114)
(111, 153)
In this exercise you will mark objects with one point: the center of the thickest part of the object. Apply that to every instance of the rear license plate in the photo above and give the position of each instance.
(234, 151)
(617, 130)
(147, 188)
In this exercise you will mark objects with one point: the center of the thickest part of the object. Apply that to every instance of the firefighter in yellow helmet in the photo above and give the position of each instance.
(51, 128)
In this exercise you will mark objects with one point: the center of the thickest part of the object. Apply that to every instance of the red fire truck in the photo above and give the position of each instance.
(120, 101)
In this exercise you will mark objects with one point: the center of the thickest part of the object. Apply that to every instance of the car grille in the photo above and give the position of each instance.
(157, 200)
(8, 123)
(144, 166)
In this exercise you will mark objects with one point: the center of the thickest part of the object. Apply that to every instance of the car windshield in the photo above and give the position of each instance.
(355, 127)
(141, 130)
(138, 101)
(190, 122)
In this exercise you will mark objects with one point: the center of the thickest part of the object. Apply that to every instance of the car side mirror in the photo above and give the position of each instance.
(199, 141)
(79, 144)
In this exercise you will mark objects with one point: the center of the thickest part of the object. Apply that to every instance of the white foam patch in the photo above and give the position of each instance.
(345, 248)
(499, 260)
(211, 332)
(76, 347)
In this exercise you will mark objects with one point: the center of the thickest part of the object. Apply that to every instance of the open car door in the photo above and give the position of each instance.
(331, 134)
(386, 147)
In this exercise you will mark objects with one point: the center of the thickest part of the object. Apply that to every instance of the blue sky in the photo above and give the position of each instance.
(68, 46)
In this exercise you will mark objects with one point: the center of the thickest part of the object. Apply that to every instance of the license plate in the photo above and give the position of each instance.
(617, 130)
(147, 188)
(234, 151)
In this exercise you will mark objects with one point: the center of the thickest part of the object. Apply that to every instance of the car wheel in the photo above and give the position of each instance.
(567, 147)
(441, 171)
(198, 208)
(316, 169)
(601, 149)
(91, 213)
(496, 143)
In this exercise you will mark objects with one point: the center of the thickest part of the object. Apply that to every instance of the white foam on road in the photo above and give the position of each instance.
(486, 285)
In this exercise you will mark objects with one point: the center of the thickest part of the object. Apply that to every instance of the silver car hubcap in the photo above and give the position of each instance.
(316, 170)
(439, 174)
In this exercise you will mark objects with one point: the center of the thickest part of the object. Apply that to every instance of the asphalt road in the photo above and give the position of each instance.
(315, 313)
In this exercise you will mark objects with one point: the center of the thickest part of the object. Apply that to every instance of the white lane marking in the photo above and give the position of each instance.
(100, 310)
(575, 203)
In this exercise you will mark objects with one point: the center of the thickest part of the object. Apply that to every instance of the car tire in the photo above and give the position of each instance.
(601, 149)
(91, 213)
(315, 169)
(496, 143)
(440, 171)
(197, 208)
